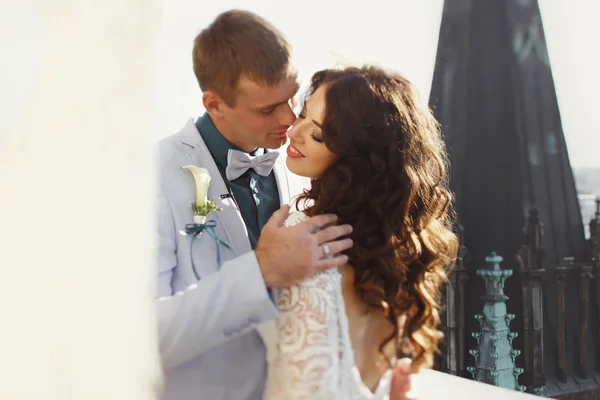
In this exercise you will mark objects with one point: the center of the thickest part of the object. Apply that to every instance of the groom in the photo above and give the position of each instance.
(208, 306)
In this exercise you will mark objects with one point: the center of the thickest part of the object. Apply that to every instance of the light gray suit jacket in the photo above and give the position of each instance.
(208, 342)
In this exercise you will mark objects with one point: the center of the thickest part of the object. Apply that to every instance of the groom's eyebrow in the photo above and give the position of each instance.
(275, 105)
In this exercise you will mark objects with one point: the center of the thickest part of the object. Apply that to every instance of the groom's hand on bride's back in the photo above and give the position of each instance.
(287, 255)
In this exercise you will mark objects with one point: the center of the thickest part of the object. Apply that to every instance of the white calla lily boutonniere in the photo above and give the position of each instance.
(202, 206)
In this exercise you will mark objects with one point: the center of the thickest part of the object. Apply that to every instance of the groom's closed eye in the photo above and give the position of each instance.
(270, 108)
(267, 111)
(302, 113)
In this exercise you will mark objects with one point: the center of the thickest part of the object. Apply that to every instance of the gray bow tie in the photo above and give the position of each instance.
(239, 162)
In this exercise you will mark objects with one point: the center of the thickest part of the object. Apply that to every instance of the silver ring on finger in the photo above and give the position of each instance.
(327, 250)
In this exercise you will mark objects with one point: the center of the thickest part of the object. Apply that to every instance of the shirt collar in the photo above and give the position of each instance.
(217, 144)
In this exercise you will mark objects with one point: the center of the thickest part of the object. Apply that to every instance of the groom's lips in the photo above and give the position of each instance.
(281, 133)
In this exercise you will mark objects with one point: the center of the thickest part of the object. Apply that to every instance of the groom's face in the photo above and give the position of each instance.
(262, 114)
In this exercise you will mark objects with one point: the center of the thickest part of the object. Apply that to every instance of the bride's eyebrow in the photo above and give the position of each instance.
(314, 122)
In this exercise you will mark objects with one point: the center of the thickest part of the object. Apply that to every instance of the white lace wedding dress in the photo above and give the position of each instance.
(309, 352)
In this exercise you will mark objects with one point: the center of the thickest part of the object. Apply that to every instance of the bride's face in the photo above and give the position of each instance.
(307, 154)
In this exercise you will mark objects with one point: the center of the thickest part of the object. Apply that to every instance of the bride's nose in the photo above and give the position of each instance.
(294, 132)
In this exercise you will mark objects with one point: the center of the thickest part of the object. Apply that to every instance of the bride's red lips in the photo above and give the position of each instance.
(293, 152)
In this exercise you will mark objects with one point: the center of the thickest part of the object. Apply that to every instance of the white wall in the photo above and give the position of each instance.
(435, 385)
(76, 204)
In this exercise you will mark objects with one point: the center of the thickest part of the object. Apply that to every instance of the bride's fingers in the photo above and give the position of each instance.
(403, 365)
(401, 382)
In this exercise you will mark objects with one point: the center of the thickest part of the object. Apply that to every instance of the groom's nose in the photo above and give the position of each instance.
(287, 115)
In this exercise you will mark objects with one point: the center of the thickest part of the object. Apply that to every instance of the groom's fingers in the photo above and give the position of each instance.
(328, 263)
(329, 234)
(335, 259)
(318, 222)
(279, 216)
(335, 248)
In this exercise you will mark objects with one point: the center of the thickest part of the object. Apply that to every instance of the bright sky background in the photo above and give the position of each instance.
(397, 34)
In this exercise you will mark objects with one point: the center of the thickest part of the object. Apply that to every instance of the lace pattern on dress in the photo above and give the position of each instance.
(309, 351)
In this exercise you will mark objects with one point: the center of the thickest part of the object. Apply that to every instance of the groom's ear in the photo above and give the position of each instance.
(213, 104)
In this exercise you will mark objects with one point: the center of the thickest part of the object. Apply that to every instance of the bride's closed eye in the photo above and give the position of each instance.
(312, 129)
(313, 137)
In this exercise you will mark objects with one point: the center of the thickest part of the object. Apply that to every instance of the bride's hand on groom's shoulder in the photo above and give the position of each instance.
(288, 255)
(402, 381)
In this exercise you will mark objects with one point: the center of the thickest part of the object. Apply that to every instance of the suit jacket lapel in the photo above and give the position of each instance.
(230, 217)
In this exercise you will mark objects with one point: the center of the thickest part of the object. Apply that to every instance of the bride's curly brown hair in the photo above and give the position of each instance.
(391, 184)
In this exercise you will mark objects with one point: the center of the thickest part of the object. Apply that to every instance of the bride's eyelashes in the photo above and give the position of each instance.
(312, 129)
(312, 134)
(313, 137)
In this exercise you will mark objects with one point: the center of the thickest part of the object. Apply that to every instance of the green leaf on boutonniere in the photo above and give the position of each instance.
(205, 208)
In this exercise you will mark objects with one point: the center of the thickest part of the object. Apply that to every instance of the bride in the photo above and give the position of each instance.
(377, 160)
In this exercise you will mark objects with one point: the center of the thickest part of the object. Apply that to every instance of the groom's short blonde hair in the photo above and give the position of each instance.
(239, 43)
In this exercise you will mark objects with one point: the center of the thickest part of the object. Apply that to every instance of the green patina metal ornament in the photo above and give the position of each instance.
(495, 356)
